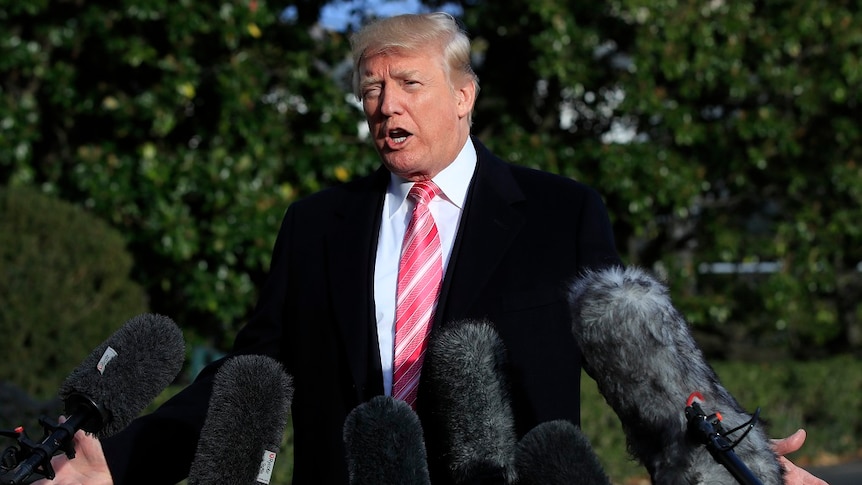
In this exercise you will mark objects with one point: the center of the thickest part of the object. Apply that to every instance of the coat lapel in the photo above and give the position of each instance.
(490, 222)
(351, 246)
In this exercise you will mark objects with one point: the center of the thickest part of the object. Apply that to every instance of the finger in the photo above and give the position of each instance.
(789, 444)
(798, 476)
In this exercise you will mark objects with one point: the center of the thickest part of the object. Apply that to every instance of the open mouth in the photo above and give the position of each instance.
(398, 136)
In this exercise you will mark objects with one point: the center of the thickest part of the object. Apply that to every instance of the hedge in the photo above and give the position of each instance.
(64, 288)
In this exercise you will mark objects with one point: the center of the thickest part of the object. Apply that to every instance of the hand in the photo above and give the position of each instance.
(87, 468)
(793, 474)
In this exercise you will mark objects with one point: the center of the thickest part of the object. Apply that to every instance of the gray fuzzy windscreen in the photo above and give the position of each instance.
(129, 369)
(247, 415)
(383, 439)
(465, 371)
(557, 453)
(641, 353)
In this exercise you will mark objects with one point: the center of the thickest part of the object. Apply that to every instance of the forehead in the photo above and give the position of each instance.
(399, 61)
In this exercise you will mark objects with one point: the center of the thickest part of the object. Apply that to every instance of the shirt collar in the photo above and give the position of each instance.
(454, 180)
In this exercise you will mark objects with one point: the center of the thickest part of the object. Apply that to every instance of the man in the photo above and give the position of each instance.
(507, 241)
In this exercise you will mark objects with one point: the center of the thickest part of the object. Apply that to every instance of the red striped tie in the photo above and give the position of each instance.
(419, 276)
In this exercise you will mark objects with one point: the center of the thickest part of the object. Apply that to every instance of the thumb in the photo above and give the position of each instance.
(789, 444)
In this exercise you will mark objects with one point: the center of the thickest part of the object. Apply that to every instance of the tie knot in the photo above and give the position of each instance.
(423, 192)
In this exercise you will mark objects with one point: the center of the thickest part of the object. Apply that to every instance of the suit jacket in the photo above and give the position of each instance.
(524, 235)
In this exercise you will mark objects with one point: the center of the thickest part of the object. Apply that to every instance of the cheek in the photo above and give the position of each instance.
(369, 112)
(443, 116)
(370, 106)
(372, 120)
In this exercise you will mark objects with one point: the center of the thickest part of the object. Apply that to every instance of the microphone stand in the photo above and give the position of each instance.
(707, 430)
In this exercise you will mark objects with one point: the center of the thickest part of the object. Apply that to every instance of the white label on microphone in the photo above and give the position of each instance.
(267, 463)
(106, 357)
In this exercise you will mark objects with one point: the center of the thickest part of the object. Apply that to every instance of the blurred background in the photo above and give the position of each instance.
(149, 148)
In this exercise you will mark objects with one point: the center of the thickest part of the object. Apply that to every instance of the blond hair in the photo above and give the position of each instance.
(411, 33)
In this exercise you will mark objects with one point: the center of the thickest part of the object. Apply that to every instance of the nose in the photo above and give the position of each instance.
(391, 101)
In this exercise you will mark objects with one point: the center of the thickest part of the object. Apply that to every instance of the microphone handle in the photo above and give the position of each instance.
(40, 456)
(719, 448)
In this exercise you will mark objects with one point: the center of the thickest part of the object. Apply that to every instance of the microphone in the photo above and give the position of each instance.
(245, 422)
(557, 453)
(383, 439)
(109, 389)
(646, 363)
(464, 374)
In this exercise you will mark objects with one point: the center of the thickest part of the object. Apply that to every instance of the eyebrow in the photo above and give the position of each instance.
(406, 74)
(369, 79)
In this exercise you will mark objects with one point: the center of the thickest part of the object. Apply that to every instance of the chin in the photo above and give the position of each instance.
(400, 164)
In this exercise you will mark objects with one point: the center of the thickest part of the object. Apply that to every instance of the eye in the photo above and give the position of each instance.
(371, 92)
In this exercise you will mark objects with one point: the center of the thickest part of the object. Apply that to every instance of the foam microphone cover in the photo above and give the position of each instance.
(641, 353)
(557, 453)
(383, 439)
(464, 371)
(245, 422)
(126, 372)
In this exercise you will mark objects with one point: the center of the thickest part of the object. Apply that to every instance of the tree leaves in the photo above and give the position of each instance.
(189, 126)
(719, 132)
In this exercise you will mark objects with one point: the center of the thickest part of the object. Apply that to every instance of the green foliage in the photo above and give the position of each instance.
(820, 396)
(64, 288)
(760, 96)
(17, 408)
(718, 132)
(190, 126)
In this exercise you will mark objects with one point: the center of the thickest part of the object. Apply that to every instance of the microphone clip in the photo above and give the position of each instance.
(708, 430)
(31, 461)
(14, 456)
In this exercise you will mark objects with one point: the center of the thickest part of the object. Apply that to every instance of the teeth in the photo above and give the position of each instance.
(398, 135)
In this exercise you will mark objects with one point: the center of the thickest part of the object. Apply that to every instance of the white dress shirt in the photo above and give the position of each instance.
(446, 209)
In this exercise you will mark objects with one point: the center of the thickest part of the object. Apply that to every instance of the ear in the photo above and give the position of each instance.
(466, 97)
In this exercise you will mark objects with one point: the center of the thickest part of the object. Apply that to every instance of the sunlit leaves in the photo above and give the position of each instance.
(190, 126)
(718, 131)
(757, 94)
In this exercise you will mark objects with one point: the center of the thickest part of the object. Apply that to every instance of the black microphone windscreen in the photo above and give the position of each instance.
(557, 453)
(646, 363)
(127, 371)
(383, 439)
(245, 422)
(464, 370)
